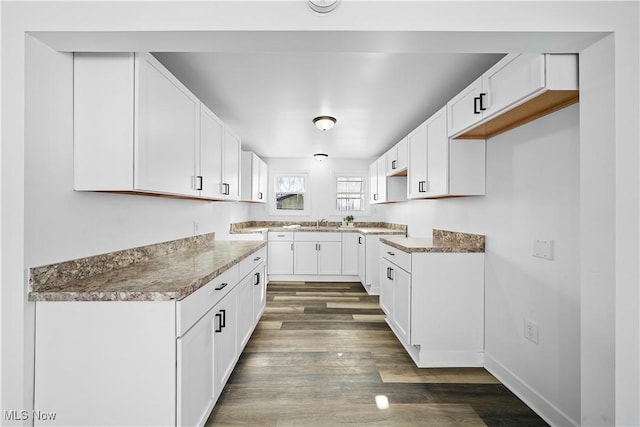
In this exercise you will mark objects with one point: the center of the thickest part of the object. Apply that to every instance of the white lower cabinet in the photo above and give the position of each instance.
(160, 363)
(317, 253)
(226, 338)
(196, 382)
(350, 253)
(434, 303)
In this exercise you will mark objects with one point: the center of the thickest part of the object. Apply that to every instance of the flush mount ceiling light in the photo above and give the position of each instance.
(324, 122)
(323, 6)
(320, 156)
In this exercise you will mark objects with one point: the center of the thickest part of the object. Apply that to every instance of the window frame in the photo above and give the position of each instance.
(273, 209)
(365, 199)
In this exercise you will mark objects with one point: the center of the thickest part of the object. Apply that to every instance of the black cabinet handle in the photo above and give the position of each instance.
(223, 322)
(220, 287)
(198, 183)
(257, 279)
(482, 107)
(476, 100)
(219, 325)
(225, 188)
(421, 187)
(292, 246)
(390, 273)
(260, 195)
(393, 164)
(375, 197)
(359, 240)
(257, 258)
(391, 253)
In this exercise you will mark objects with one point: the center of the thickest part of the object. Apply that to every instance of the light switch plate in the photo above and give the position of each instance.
(543, 249)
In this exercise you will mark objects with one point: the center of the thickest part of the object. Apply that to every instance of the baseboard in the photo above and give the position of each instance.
(545, 409)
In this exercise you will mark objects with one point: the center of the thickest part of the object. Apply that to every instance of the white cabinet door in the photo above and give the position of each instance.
(259, 293)
(391, 161)
(329, 258)
(417, 170)
(382, 180)
(514, 78)
(437, 155)
(362, 259)
(263, 181)
(280, 257)
(245, 314)
(464, 110)
(195, 373)
(373, 182)
(211, 137)
(230, 187)
(305, 259)
(167, 117)
(401, 305)
(350, 252)
(225, 338)
(386, 287)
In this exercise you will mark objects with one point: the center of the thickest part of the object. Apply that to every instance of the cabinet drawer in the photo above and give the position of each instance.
(396, 256)
(320, 236)
(252, 261)
(193, 307)
(280, 235)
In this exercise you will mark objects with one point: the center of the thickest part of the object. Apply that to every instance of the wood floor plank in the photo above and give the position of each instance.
(321, 354)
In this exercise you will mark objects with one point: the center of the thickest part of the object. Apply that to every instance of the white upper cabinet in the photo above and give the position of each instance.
(137, 129)
(211, 142)
(417, 172)
(442, 167)
(385, 189)
(396, 159)
(254, 178)
(230, 182)
(167, 116)
(516, 90)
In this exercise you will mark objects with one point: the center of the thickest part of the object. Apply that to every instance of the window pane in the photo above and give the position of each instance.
(289, 184)
(290, 201)
(350, 193)
(350, 186)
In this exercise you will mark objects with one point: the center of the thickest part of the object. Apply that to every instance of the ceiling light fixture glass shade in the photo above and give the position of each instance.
(324, 122)
(323, 6)
(320, 156)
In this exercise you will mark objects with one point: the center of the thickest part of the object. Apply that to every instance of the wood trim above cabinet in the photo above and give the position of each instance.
(539, 106)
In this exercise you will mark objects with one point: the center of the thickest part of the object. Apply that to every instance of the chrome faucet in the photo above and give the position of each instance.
(321, 221)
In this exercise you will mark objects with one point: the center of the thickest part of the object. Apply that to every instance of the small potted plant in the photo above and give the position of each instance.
(347, 221)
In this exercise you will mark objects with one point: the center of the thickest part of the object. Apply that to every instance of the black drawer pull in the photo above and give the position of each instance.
(257, 279)
(223, 322)
(219, 325)
(257, 258)
(391, 253)
(222, 285)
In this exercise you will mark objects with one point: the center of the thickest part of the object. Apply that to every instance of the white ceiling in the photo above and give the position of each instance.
(270, 98)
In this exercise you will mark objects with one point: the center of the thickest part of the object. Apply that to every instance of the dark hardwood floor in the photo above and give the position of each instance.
(322, 355)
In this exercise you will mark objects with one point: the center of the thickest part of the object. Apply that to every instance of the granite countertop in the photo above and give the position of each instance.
(441, 242)
(170, 276)
(362, 228)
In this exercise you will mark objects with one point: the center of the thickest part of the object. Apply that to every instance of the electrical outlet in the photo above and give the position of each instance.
(543, 249)
(531, 330)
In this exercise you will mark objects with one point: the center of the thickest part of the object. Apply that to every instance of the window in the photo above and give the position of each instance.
(290, 194)
(350, 195)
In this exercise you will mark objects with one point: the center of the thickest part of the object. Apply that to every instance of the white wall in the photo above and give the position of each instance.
(532, 193)
(322, 188)
(61, 224)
